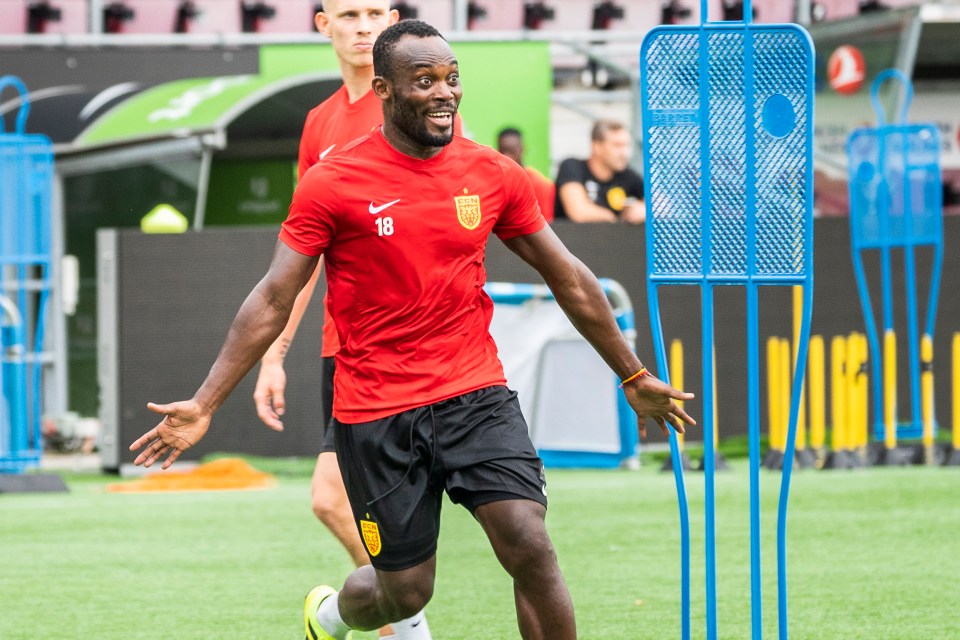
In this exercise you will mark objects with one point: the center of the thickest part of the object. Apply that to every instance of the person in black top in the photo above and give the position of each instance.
(601, 188)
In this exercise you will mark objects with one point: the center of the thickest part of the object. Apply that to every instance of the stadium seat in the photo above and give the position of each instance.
(290, 16)
(160, 16)
(62, 16)
(439, 13)
(14, 14)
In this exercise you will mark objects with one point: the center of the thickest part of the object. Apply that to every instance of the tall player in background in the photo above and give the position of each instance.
(351, 112)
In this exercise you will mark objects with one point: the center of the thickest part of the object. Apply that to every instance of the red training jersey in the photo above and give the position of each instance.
(328, 128)
(404, 242)
(545, 191)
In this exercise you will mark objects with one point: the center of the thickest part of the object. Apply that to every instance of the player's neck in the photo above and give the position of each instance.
(357, 80)
(405, 145)
(600, 171)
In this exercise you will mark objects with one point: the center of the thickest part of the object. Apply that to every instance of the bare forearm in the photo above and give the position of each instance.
(589, 212)
(256, 326)
(581, 297)
(278, 350)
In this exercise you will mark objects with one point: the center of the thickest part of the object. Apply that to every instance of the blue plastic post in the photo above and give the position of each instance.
(26, 175)
(896, 204)
(727, 112)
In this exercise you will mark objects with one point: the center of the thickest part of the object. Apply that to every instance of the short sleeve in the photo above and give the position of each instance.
(310, 222)
(306, 153)
(521, 214)
(571, 170)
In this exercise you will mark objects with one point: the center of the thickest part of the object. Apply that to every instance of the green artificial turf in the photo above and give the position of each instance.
(872, 554)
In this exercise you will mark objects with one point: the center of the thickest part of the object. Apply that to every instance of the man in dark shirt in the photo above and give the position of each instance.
(601, 188)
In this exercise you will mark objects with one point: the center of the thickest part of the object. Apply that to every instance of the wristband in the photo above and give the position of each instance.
(639, 374)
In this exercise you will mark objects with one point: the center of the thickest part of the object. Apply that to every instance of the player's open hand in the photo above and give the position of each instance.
(653, 398)
(183, 425)
(268, 394)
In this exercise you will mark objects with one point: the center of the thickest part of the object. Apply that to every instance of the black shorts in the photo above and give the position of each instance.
(475, 446)
(327, 367)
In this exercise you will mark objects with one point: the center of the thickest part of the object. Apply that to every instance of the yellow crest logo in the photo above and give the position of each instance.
(617, 198)
(468, 211)
(371, 536)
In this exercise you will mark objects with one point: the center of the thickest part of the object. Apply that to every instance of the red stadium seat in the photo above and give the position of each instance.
(56, 16)
(290, 16)
(160, 16)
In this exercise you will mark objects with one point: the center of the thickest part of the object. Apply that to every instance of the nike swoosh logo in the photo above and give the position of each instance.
(324, 153)
(375, 210)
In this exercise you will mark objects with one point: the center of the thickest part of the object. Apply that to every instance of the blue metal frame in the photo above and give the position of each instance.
(519, 293)
(26, 179)
(885, 162)
(727, 112)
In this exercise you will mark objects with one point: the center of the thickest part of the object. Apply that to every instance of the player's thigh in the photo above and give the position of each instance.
(518, 534)
(327, 481)
(387, 468)
(487, 451)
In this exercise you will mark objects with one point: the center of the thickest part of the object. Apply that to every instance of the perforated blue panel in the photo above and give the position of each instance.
(752, 219)
(896, 189)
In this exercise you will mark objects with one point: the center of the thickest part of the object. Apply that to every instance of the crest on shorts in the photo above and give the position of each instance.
(468, 211)
(371, 536)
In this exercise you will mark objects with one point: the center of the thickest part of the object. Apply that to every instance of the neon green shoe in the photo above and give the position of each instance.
(312, 628)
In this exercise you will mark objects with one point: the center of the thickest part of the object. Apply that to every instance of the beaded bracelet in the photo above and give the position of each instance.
(639, 374)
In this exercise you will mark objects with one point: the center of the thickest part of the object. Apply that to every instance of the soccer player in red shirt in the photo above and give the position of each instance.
(352, 27)
(402, 217)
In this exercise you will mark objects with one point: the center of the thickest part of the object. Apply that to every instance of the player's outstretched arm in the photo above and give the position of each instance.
(260, 320)
(268, 396)
(579, 294)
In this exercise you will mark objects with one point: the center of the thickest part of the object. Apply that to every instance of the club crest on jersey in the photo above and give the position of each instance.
(468, 211)
(371, 536)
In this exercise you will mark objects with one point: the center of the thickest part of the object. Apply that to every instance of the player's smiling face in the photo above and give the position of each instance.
(353, 26)
(425, 91)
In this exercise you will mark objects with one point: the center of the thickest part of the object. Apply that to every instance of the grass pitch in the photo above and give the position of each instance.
(872, 554)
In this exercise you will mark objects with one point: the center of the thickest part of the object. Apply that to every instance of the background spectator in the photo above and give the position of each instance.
(601, 188)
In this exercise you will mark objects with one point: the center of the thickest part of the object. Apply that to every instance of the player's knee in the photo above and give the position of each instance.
(528, 552)
(410, 600)
(328, 507)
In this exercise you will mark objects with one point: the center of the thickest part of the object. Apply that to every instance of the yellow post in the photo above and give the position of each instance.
(797, 325)
(839, 400)
(785, 380)
(926, 395)
(773, 389)
(889, 390)
(863, 379)
(817, 398)
(676, 375)
(956, 392)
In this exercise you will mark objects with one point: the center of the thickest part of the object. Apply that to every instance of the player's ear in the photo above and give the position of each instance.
(381, 88)
(394, 16)
(322, 21)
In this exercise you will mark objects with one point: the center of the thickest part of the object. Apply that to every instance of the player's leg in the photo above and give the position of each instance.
(371, 598)
(494, 471)
(332, 508)
(328, 495)
(518, 534)
(387, 466)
